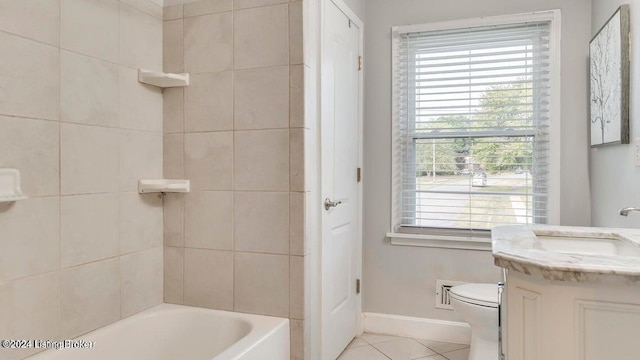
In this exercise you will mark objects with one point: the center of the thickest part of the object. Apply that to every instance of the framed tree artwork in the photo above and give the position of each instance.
(609, 84)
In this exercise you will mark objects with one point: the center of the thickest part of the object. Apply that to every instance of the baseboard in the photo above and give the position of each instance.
(419, 328)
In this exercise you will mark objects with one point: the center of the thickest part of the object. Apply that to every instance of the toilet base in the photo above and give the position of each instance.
(483, 348)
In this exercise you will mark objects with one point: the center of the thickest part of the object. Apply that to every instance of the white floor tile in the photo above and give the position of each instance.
(433, 357)
(441, 346)
(362, 353)
(462, 354)
(404, 349)
(357, 342)
(378, 338)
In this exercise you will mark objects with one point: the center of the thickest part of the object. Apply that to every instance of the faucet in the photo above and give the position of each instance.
(627, 210)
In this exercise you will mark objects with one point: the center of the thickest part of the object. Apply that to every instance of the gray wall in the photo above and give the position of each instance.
(401, 280)
(614, 176)
(358, 7)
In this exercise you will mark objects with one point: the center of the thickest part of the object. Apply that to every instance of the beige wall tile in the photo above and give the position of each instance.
(209, 102)
(32, 146)
(243, 4)
(140, 39)
(208, 43)
(29, 309)
(296, 159)
(208, 221)
(173, 219)
(140, 104)
(296, 331)
(140, 158)
(208, 278)
(142, 280)
(297, 241)
(147, 6)
(172, 12)
(35, 19)
(297, 303)
(295, 33)
(204, 7)
(140, 221)
(30, 237)
(173, 52)
(89, 297)
(89, 228)
(173, 158)
(81, 101)
(88, 159)
(261, 98)
(296, 94)
(261, 160)
(261, 222)
(261, 37)
(262, 284)
(173, 103)
(90, 27)
(208, 160)
(31, 71)
(173, 274)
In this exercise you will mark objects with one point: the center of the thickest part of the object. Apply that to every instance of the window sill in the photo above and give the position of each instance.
(444, 242)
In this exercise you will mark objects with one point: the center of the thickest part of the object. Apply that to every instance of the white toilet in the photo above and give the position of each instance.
(477, 304)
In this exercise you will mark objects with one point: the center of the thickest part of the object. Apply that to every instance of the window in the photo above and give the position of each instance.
(474, 113)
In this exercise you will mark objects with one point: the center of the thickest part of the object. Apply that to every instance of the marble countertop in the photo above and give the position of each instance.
(517, 248)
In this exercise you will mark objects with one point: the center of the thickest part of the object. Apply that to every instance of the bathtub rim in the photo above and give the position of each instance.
(262, 327)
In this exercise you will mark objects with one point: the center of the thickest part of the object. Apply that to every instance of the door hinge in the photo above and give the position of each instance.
(357, 286)
(360, 63)
(359, 174)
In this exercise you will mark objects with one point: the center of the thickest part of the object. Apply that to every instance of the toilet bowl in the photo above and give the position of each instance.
(477, 304)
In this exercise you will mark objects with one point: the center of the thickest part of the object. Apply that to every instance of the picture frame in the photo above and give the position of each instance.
(609, 79)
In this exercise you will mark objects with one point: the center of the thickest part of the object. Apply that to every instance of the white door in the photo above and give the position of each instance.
(341, 233)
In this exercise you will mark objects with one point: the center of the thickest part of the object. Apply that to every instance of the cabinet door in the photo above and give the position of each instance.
(607, 330)
(524, 324)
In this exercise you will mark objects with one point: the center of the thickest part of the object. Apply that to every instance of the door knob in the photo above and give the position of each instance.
(328, 204)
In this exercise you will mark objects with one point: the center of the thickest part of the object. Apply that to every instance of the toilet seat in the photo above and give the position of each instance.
(476, 294)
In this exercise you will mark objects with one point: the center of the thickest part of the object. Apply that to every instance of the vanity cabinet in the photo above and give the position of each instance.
(562, 320)
(570, 293)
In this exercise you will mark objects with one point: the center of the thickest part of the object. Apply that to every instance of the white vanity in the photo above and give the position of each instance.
(572, 293)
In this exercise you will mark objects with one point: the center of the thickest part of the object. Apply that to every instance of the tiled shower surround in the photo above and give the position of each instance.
(236, 242)
(85, 249)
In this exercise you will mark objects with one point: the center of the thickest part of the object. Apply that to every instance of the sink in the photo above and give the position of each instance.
(586, 246)
(569, 253)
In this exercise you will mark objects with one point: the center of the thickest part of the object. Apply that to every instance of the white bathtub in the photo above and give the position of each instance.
(173, 332)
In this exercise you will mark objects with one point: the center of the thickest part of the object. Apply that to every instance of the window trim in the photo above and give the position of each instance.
(425, 237)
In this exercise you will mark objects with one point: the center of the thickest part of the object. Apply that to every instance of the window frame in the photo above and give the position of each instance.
(463, 238)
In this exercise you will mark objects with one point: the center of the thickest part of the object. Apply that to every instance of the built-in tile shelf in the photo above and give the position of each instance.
(164, 186)
(162, 80)
(10, 186)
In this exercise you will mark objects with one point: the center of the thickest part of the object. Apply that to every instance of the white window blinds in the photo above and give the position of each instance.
(472, 124)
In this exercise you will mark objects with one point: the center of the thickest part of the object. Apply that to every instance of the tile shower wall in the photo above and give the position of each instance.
(85, 249)
(236, 242)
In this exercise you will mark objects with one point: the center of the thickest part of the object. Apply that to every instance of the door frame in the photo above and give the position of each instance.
(342, 6)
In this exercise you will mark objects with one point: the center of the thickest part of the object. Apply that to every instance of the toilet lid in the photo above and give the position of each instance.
(478, 294)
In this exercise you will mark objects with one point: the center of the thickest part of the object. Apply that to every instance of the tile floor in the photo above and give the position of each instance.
(385, 347)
